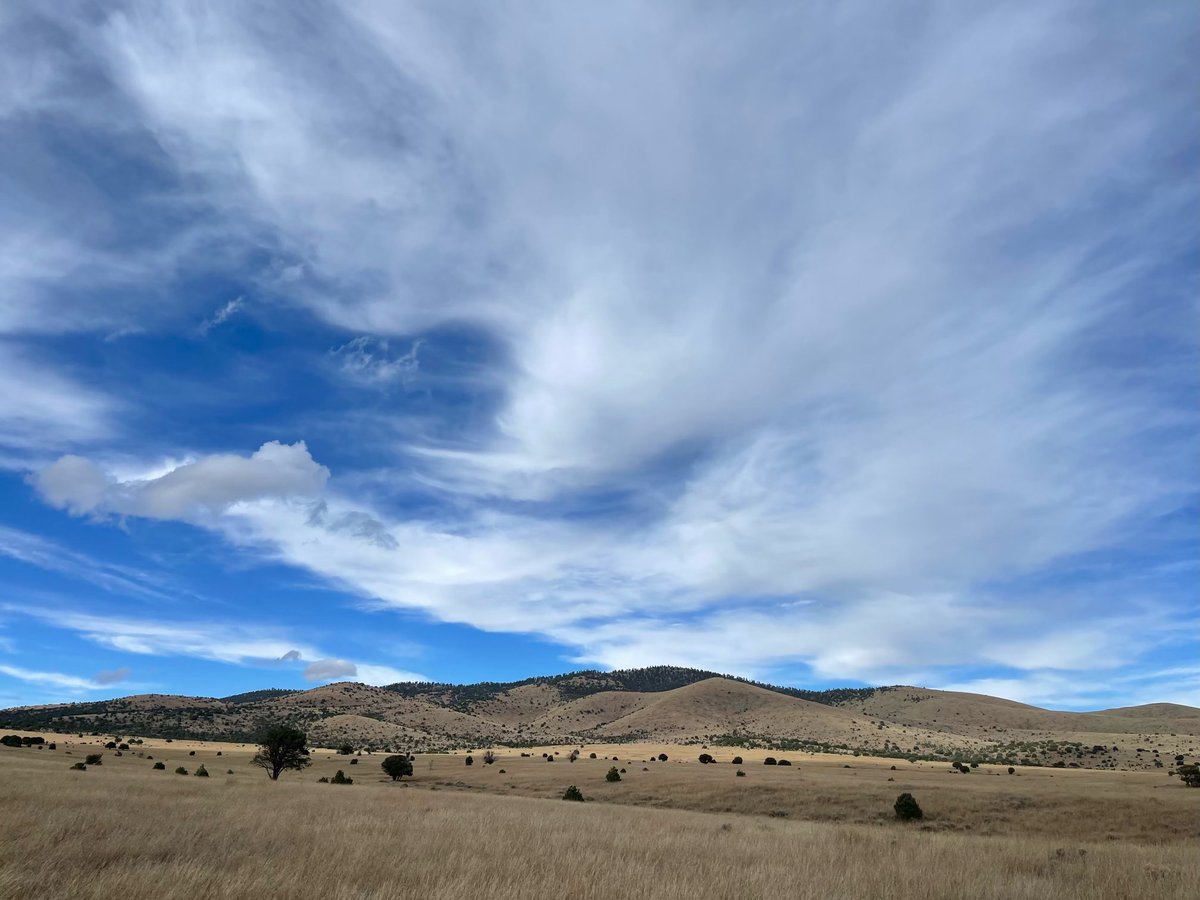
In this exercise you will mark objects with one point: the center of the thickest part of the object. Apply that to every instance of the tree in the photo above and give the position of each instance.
(662, 757)
(1190, 774)
(345, 750)
(340, 778)
(573, 793)
(613, 775)
(397, 766)
(489, 757)
(281, 747)
(470, 760)
(706, 758)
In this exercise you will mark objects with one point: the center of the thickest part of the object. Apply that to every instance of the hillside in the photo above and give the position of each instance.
(663, 704)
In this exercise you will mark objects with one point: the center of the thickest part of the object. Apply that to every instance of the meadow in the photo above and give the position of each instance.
(674, 829)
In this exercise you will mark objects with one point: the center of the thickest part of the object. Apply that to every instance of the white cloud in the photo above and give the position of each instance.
(222, 315)
(369, 361)
(70, 683)
(42, 410)
(206, 485)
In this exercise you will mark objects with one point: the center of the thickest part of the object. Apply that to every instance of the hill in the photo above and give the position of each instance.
(664, 704)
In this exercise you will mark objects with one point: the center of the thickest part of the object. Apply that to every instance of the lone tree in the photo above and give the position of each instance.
(1190, 774)
(398, 766)
(281, 747)
(613, 775)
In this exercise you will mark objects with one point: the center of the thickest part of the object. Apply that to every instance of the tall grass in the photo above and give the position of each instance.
(132, 833)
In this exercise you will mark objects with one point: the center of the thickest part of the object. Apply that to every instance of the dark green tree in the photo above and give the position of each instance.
(281, 747)
(397, 766)
(573, 793)
(613, 775)
(1190, 774)
(907, 808)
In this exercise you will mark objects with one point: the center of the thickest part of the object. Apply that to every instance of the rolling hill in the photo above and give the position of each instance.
(661, 704)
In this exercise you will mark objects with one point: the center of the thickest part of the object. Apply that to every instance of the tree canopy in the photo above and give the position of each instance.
(397, 766)
(281, 747)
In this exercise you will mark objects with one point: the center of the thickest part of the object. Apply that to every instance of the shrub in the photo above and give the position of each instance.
(111, 745)
(622, 771)
(907, 808)
(737, 760)
(345, 750)
(220, 753)
(502, 772)
(549, 759)
(785, 762)
(770, 761)
(191, 753)
(741, 774)
(322, 780)
(470, 760)
(94, 759)
(613, 775)
(354, 762)
(122, 746)
(53, 746)
(79, 767)
(662, 757)
(1011, 770)
(573, 793)
(180, 770)
(201, 772)
(11, 740)
(489, 757)
(591, 756)
(339, 777)
(705, 758)
(397, 766)
(1190, 774)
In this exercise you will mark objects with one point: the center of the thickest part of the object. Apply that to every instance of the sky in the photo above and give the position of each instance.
(824, 344)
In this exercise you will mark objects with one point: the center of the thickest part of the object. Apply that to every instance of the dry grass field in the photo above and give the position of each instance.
(674, 829)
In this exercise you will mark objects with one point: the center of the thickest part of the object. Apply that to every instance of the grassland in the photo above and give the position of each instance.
(674, 829)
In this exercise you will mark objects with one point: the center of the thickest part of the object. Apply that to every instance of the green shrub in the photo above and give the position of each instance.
(785, 762)
(160, 766)
(345, 750)
(354, 762)
(322, 780)
(662, 757)
(94, 759)
(573, 793)
(340, 778)
(1011, 770)
(907, 808)
(591, 756)
(470, 760)
(79, 767)
(11, 740)
(1190, 774)
(180, 770)
(737, 760)
(741, 774)
(613, 775)
(770, 761)
(201, 772)
(705, 758)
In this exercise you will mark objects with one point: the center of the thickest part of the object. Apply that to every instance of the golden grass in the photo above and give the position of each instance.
(125, 830)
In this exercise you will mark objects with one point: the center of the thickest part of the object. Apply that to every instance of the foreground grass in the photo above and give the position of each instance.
(128, 832)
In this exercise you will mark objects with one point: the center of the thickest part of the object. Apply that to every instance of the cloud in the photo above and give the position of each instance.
(114, 676)
(369, 361)
(291, 656)
(206, 485)
(329, 670)
(222, 315)
(70, 683)
(42, 410)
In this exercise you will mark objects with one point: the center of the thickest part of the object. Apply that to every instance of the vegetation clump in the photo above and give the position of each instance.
(79, 767)
(613, 775)
(201, 772)
(907, 808)
(573, 793)
(397, 766)
(181, 771)
(160, 765)
(1190, 774)
(340, 778)
(94, 759)
(770, 761)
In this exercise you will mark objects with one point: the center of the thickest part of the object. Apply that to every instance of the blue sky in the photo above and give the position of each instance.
(821, 344)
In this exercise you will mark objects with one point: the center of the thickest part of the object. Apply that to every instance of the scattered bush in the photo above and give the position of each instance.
(345, 750)
(397, 766)
(489, 757)
(79, 767)
(181, 771)
(322, 780)
(591, 756)
(573, 793)
(470, 760)
(785, 762)
(53, 746)
(354, 762)
(201, 772)
(111, 745)
(94, 759)
(11, 740)
(122, 746)
(770, 761)
(907, 808)
(737, 760)
(229, 771)
(705, 758)
(502, 772)
(191, 753)
(741, 774)
(1190, 774)
(549, 759)
(1011, 770)
(613, 775)
(662, 757)
(339, 777)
